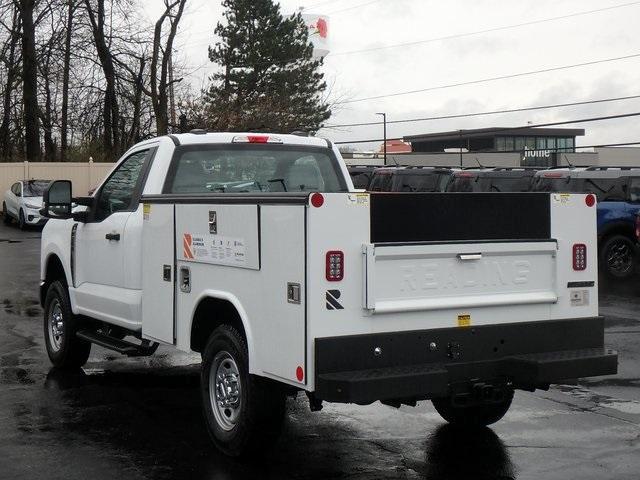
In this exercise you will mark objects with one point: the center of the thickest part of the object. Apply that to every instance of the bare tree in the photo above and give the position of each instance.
(29, 80)
(162, 83)
(64, 122)
(110, 113)
(9, 57)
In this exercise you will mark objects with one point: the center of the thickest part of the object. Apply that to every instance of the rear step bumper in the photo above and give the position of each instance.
(441, 362)
(433, 381)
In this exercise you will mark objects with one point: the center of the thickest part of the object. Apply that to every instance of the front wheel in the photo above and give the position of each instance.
(64, 348)
(244, 413)
(618, 257)
(22, 224)
(6, 218)
(476, 415)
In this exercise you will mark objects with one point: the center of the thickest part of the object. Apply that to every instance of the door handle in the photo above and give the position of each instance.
(469, 256)
(112, 236)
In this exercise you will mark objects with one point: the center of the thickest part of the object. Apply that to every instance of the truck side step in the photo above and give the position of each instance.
(124, 347)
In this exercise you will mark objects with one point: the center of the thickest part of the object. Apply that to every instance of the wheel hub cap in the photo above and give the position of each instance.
(56, 326)
(225, 390)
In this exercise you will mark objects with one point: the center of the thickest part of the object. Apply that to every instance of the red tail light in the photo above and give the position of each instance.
(579, 256)
(638, 228)
(334, 266)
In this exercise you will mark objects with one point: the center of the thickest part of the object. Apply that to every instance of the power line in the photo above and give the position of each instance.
(488, 30)
(493, 112)
(319, 4)
(490, 79)
(354, 7)
(510, 129)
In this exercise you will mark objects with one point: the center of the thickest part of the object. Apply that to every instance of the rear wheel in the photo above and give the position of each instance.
(64, 348)
(618, 257)
(6, 218)
(244, 413)
(476, 415)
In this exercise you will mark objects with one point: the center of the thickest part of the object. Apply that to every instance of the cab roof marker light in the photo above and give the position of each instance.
(256, 139)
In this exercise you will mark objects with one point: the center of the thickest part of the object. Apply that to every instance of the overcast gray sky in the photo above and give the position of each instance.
(362, 24)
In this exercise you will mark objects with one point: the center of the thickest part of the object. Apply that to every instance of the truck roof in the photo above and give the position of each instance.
(201, 137)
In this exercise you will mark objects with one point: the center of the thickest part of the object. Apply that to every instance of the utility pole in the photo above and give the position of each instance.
(384, 135)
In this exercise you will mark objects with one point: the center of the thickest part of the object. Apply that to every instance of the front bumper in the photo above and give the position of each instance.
(33, 217)
(441, 362)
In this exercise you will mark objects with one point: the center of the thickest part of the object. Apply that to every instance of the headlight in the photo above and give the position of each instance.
(29, 205)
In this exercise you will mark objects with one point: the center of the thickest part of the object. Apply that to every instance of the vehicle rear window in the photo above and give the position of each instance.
(381, 182)
(247, 168)
(464, 183)
(35, 188)
(361, 179)
(557, 184)
(490, 184)
(426, 182)
(606, 189)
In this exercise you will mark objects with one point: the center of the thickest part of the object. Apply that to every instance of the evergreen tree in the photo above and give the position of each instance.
(268, 78)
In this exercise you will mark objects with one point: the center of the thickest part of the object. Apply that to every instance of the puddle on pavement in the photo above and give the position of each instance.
(602, 401)
(13, 375)
(28, 307)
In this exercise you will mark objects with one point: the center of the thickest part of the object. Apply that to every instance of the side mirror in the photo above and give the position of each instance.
(57, 200)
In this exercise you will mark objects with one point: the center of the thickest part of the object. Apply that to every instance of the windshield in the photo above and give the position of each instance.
(35, 188)
(247, 168)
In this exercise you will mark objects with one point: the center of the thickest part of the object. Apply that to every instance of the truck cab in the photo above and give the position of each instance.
(256, 251)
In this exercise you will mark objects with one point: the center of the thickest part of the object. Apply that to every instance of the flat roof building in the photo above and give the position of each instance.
(498, 139)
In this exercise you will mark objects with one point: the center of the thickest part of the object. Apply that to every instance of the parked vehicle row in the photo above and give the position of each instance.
(617, 190)
(256, 251)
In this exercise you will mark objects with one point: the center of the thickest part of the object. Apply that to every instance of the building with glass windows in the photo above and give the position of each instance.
(498, 139)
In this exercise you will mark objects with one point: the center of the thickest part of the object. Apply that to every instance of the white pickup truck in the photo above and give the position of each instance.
(256, 251)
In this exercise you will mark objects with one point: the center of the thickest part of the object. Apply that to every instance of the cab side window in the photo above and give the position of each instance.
(117, 193)
(16, 189)
(634, 190)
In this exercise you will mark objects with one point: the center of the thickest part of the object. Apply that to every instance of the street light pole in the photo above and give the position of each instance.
(384, 135)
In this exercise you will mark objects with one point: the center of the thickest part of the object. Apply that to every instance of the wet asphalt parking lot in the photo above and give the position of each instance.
(140, 418)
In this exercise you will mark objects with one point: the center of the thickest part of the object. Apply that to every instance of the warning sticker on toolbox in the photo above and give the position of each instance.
(214, 249)
(358, 199)
(561, 198)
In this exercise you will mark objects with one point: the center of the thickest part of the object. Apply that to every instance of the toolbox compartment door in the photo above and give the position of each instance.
(158, 272)
(400, 278)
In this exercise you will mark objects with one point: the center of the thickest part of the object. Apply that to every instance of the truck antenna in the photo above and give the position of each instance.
(567, 160)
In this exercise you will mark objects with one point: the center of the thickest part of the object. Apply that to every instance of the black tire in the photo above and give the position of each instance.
(65, 349)
(21, 222)
(478, 415)
(252, 420)
(618, 257)
(6, 218)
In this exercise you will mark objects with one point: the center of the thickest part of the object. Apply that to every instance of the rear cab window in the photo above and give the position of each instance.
(228, 168)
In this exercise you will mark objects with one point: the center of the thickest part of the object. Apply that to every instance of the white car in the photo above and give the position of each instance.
(23, 202)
